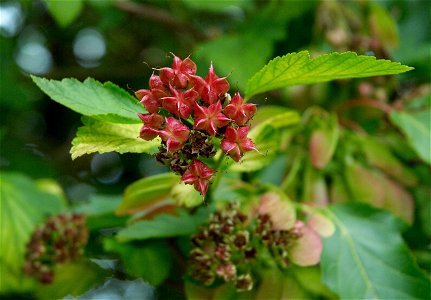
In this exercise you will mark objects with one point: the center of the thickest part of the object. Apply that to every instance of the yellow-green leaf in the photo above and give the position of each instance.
(100, 136)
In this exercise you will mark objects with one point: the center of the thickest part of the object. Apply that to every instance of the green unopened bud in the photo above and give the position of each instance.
(244, 283)
(240, 240)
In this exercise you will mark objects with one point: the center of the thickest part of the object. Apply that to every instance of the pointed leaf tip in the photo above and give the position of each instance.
(300, 68)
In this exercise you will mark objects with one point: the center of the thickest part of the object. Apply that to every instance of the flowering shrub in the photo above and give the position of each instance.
(188, 112)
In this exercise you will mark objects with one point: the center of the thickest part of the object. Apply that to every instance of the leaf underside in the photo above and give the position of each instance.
(300, 68)
(164, 225)
(366, 258)
(416, 126)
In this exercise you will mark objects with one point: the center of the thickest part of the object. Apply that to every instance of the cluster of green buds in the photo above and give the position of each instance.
(228, 247)
(60, 239)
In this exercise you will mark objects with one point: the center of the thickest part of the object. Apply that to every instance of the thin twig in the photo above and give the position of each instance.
(158, 15)
(386, 108)
(352, 125)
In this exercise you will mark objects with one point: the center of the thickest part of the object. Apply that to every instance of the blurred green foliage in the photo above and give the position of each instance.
(124, 41)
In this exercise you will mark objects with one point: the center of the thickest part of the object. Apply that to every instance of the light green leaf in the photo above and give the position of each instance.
(64, 12)
(72, 279)
(383, 193)
(380, 156)
(416, 126)
(147, 193)
(100, 136)
(383, 26)
(120, 289)
(323, 141)
(366, 258)
(310, 279)
(267, 137)
(276, 285)
(300, 68)
(99, 205)
(164, 225)
(186, 195)
(151, 261)
(106, 102)
(23, 207)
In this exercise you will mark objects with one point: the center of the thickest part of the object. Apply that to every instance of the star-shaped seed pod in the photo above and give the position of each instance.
(198, 174)
(238, 111)
(211, 88)
(175, 134)
(210, 118)
(235, 142)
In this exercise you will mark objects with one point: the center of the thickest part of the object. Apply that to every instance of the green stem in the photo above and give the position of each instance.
(217, 178)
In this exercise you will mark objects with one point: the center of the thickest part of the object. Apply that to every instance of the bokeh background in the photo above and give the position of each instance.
(122, 41)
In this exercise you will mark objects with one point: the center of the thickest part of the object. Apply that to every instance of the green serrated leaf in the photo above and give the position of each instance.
(416, 126)
(266, 136)
(164, 225)
(64, 12)
(100, 136)
(366, 258)
(147, 192)
(106, 102)
(23, 207)
(300, 68)
(72, 279)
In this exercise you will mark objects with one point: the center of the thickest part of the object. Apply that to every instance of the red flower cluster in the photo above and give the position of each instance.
(187, 112)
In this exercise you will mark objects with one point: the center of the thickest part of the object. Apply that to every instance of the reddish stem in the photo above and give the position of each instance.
(386, 108)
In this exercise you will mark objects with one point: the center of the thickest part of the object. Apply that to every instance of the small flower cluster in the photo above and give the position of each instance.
(277, 241)
(59, 240)
(226, 248)
(187, 112)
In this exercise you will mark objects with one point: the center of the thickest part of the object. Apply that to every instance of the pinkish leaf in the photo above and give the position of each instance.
(321, 224)
(306, 250)
(280, 210)
(398, 200)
